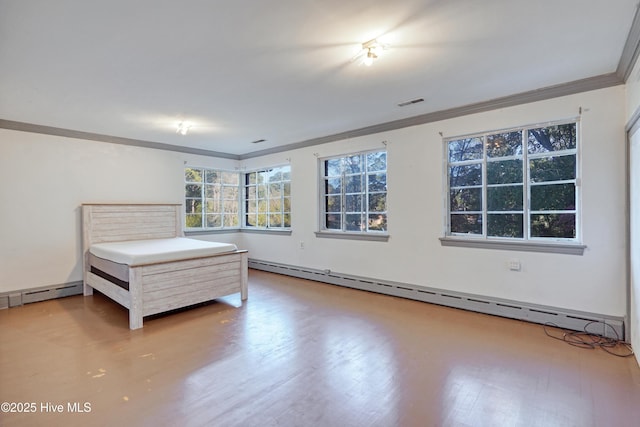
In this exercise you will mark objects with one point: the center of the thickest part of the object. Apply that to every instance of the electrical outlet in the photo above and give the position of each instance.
(514, 265)
(301, 244)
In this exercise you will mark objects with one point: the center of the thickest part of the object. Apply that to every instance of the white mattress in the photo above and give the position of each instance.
(141, 252)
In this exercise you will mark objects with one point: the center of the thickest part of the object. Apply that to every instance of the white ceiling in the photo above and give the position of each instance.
(282, 70)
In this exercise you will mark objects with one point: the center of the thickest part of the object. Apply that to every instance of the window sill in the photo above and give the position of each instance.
(238, 230)
(214, 231)
(352, 236)
(552, 248)
(279, 232)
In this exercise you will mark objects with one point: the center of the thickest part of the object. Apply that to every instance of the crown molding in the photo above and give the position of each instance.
(549, 92)
(631, 49)
(69, 133)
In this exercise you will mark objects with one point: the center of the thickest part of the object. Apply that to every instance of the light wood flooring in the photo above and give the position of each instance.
(301, 353)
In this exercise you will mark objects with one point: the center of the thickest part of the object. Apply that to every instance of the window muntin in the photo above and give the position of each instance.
(518, 184)
(354, 193)
(267, 198)
(211, 199)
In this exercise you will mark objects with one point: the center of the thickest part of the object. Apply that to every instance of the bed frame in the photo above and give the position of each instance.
(160, 287)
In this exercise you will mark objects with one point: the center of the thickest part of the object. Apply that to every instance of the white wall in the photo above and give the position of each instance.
(633, 107)
(594, 282)
(634, 267)
(44, 180)
(632, 89)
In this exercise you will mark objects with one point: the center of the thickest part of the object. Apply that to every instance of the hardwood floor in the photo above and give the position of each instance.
(300, 353)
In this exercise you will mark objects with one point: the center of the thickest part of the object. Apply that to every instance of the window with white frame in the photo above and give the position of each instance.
(515, 184)
(212, 199)
(354, 193)
(267, 198)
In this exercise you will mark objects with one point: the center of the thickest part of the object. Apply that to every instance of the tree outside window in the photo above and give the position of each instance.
(211, 199)
(354, 193)
(518, 184)
(268, 198)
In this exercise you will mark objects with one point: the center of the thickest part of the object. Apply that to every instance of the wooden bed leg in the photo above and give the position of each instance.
(244, 276)
(86, 289)
(135, 295)
(135, 320)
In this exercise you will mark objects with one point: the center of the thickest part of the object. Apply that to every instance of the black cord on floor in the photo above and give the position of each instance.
(590, 340)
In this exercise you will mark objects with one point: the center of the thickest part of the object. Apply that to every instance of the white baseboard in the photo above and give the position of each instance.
(609, 326)
(25, 296)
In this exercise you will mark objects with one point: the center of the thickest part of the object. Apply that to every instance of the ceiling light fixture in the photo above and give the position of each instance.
(371, 55)
(370, 51)
(183, 128)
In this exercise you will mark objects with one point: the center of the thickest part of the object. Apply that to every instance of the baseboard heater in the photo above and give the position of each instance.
(609, 326)
(26, 296)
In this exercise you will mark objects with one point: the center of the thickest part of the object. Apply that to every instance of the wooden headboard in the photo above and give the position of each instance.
(120, 222)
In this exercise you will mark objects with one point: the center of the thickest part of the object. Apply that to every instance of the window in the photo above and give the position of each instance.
(211, 199)
(268, 198)
(516, 184)
(354, 193)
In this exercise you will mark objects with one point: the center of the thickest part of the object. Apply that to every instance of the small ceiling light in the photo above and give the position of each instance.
(370, 51)
(371, 55)
(183, 128)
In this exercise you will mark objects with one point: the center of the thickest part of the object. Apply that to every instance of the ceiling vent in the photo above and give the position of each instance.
(410, 102)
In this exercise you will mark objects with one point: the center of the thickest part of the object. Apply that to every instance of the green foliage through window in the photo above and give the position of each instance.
(355, 193)
(516, 184)
(268, 198)
(211, 198)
